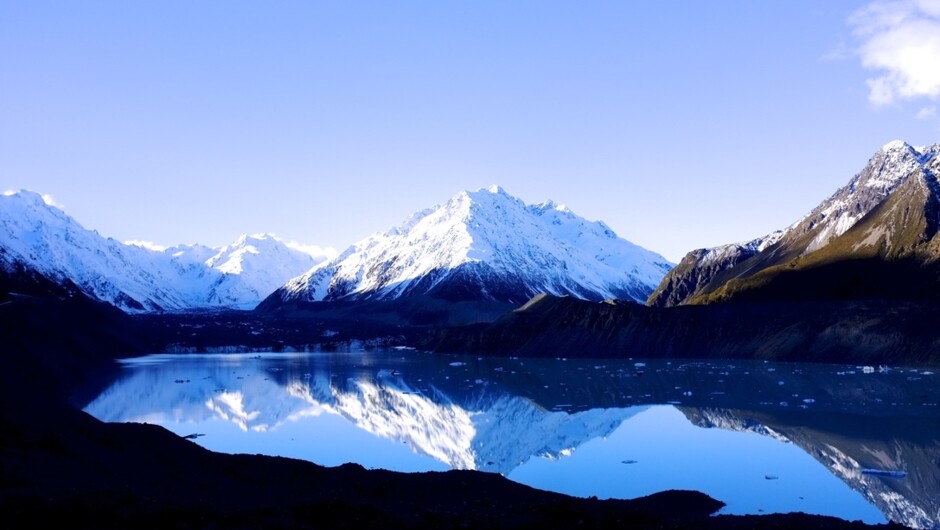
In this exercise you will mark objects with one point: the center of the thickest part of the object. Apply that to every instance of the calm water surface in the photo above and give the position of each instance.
(852, 442)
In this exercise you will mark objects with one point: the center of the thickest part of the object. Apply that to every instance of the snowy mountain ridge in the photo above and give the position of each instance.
(488, 245)
(135, 278)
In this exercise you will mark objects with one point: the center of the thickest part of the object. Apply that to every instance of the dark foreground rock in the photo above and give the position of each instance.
(76, 469)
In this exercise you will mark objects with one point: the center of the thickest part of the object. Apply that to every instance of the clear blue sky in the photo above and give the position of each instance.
(679, 124)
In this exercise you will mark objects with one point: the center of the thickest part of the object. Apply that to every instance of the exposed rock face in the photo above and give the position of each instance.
(698, 268)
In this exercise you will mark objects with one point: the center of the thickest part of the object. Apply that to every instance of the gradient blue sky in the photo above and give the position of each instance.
(680, 124)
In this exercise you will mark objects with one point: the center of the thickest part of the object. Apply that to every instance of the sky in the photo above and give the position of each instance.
(681, 124)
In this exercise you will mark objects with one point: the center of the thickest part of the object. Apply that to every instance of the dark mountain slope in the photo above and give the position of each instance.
(829, 331)
(898, 186)
(893, 252)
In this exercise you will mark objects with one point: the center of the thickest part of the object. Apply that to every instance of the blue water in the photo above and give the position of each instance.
(761, 437)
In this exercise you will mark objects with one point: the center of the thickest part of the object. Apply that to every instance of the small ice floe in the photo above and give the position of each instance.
(926, 372)
(809, 401)
(868, 369)
(458, 363)
(771, 477)
(687, 393)
(403, 348)
(388, 373)
(640, 365)
(884, 472)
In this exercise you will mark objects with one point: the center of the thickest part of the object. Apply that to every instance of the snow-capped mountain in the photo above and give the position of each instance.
(39, 236)
(253, 267)
(894, 167)
(485, 245)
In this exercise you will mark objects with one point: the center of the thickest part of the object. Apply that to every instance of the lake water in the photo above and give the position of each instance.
(852, 442)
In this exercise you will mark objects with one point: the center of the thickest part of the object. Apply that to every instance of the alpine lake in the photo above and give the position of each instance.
(855, 442)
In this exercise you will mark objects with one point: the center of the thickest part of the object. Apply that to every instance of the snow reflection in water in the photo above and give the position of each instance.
(761, 437)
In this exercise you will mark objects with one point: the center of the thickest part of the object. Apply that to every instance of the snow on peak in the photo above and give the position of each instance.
(895, 145)
(32, 200)
(254, 266)
(491, 240)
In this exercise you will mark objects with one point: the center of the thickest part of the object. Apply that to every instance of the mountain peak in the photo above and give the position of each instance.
(486, 245)
(887, 209)
(895, 145)
(32, 199)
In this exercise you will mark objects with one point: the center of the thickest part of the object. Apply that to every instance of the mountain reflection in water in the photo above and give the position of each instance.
(762, 437)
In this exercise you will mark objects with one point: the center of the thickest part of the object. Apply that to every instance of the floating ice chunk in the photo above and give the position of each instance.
(458, 363)
(885, 472)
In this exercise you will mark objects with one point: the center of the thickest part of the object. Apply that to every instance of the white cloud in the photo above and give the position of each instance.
(48, 199)
(900, 40)
(321, 253)
(926, 113)
(149, 245)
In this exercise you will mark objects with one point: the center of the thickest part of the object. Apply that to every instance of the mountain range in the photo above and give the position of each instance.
(874, 238)
(41, 238)
(482, 245)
